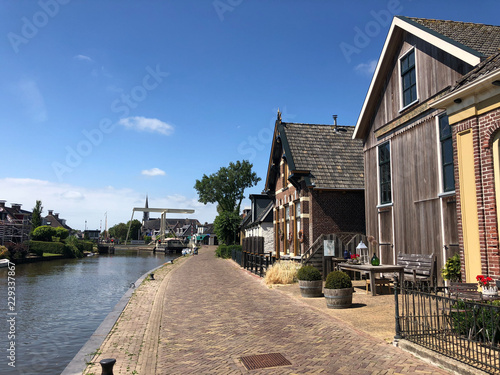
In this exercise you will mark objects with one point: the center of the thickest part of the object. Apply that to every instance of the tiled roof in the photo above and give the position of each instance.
(484, 39)
(334, 159)
(489, 65)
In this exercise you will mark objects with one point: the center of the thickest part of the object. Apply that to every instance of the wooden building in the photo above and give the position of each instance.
(408, 149)
(315, 177)
(473, 108)
(258, 221)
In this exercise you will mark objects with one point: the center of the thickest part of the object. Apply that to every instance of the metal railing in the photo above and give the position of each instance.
(257, 263)
(456, 327)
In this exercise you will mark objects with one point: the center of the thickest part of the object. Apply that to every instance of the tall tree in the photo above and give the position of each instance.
(36, 216)
(227, 186)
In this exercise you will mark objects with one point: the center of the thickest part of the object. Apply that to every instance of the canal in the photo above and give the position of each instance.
(60, 303)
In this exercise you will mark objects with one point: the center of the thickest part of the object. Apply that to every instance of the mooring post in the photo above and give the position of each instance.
(107, 366)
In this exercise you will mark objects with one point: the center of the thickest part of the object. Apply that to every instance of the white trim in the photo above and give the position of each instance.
(384, 205)
(422, 34)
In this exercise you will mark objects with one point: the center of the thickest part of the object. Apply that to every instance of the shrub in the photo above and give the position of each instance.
(308, 273)
(17, 250)
(4, 252)
(452, 269)
(62, 233)
(43, 233)
(282, 272)
(71, 251)
(40, 247)
(338, 280)
(225, 251)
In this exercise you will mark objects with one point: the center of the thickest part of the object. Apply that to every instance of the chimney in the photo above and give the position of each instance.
(334, 120)
(16, 206)
(56, 215)
(2, 203)
(50, 212)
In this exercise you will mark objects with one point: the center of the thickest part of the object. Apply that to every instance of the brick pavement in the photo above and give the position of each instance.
(214, 313)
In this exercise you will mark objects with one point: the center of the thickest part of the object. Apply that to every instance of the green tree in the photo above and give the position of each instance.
(135, 229)
(36, 216)
(227, 186)
(118, 231)
(62, 233)
(44, 233)
(226, 225)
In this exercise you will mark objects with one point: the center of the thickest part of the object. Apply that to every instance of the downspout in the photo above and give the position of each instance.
(485, 235)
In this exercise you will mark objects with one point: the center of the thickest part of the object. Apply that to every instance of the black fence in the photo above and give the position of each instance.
(256, 263)
(253, 245)
(457, 327)
(236, 255)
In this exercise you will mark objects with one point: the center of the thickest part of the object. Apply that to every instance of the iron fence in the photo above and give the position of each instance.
(257, 263)
(461, 328)
(236, 255)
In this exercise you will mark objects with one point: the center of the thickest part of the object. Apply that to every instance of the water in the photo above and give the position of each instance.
(60, 303)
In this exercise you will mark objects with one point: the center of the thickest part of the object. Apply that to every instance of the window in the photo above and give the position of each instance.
(384, 164)
(446, 154)
(408, 78)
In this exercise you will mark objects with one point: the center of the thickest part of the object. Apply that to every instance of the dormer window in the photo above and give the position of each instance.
(408, 78)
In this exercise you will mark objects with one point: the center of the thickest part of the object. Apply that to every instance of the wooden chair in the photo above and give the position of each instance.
(378, 281)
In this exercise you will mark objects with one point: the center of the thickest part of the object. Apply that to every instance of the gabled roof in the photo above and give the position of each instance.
(326, 156)
(467, 41)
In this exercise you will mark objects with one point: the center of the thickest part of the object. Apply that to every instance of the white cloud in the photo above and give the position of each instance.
(32, 99)
(80, 205)
(366, 68)
(153, 172)
(83, 58)
(151, 125)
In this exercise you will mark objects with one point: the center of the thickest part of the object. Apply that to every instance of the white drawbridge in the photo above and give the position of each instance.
(163, 222)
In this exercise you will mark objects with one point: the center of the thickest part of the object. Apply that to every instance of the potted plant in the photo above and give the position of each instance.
(451, 271)
(310, 281)
(487, 285)
(338, 290)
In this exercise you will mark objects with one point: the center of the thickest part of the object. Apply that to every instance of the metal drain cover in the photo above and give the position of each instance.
(253, 362)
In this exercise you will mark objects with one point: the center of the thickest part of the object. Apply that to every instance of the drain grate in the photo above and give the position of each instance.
(253, 362)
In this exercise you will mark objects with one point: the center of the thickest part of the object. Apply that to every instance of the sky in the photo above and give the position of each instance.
(105, 102)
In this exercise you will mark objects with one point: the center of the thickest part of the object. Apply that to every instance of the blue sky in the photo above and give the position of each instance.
(103, 102)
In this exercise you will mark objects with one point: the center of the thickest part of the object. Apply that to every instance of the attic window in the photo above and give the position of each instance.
(408, 78)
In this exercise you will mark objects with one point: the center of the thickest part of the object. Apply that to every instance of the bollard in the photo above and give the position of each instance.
(152, 275)
(107, 366)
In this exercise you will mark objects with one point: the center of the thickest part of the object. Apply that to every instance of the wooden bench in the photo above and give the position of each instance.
(419, 267)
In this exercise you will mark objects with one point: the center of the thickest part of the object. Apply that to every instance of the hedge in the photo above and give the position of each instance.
(40, 247)
(224, 251)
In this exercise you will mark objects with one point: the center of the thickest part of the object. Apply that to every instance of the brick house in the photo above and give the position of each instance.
(15, 223)
(315, 178)
(473, 107)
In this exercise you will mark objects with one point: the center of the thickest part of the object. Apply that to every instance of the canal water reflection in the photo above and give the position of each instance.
(60, 303)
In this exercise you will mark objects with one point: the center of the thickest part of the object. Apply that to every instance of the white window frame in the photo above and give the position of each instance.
(400, 79)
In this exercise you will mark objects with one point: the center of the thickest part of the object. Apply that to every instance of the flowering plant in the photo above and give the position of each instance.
(354, 256)
(484, 281)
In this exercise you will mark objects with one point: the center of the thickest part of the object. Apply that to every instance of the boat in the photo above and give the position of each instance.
(171, 245)
(4, 263)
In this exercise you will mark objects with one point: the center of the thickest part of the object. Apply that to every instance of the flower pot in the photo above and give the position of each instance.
(338, 298)
(490, 290)
(309, 289)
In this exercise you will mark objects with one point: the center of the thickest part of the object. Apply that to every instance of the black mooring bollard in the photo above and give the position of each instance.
(152, 275)
(107, 366)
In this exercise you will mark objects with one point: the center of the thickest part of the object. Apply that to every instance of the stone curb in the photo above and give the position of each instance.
(79, 362)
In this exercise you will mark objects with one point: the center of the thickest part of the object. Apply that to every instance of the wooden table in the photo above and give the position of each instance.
(372, 270)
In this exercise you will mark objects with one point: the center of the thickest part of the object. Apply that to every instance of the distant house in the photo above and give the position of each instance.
(410, 171)
(258, 221)
(15, 223)
(53, 220)
(473, 108)
(206, 234)
(315, 178)
(92, 235)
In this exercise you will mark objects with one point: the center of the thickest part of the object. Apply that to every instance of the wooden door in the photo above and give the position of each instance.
(468, 202)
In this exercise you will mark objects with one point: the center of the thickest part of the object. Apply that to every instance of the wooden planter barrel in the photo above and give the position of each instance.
(309, 289)
(338, 298)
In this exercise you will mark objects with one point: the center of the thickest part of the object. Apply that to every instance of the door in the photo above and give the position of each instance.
(468, 202)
